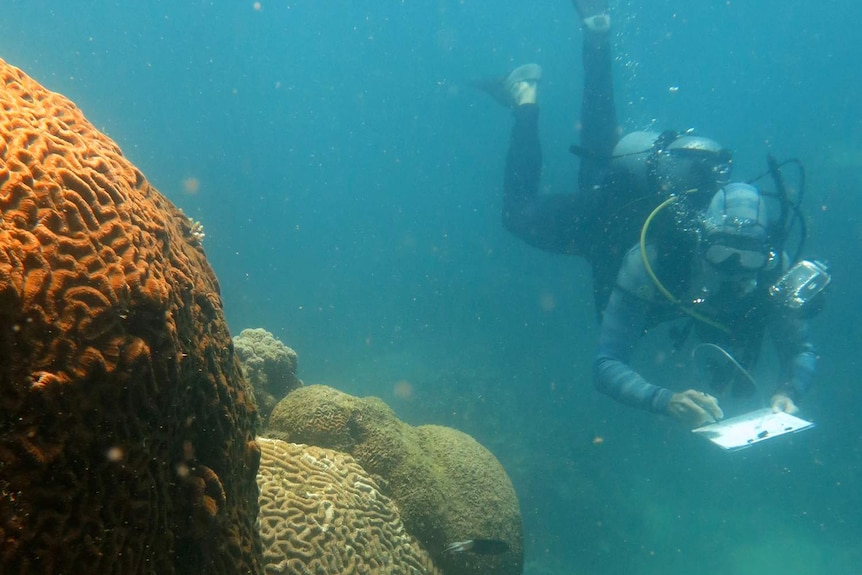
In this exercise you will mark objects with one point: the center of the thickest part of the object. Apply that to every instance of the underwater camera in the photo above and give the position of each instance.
(802, 286)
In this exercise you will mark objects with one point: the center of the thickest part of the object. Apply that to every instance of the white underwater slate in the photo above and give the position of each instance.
(746, 430)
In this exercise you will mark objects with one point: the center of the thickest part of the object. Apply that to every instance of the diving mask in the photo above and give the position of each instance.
(734, 260)
(734, 255)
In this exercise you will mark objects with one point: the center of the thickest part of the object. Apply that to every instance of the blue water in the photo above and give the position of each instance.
(349, 186)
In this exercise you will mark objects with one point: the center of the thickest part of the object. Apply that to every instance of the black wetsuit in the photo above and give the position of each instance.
(572, 223)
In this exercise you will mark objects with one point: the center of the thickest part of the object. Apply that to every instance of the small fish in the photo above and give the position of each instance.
(478, 547)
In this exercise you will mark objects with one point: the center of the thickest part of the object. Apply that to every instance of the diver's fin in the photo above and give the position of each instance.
(503, 88)
(589, 8)
(594, 15)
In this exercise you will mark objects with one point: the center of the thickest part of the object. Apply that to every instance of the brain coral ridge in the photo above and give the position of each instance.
(447, 486)
(127, 437)
(320, 512)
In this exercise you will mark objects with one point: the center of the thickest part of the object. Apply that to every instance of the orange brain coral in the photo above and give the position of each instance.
(126, 435)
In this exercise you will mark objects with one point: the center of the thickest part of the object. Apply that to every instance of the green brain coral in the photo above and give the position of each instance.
(447, 486)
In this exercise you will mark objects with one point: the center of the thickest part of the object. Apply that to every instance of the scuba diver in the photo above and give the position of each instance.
(620, 180)
(708, 240)
(730, 276)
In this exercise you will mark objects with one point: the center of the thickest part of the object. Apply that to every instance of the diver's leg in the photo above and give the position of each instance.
(599, 135)
(552, 222)
(599, 128)
(523, 211)
(523, 168)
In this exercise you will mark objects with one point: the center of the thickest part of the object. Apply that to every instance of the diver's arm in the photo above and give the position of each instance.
(796, 354)
(614, 377)
(623, 324)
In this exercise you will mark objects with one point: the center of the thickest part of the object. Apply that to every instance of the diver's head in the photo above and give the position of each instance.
(691, 163)
(736, 232)
(631, 158)
(667, 163)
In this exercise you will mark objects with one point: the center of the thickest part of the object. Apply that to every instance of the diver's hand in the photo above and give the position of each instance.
(781, 402)
(694, 408)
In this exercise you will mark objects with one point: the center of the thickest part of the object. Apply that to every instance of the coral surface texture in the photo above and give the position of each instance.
(321, 513)
(268, 366)
(126, 432)
(447, 486)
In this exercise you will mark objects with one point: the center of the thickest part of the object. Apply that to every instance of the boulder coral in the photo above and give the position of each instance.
(268, 366)
(447, 486)
(127, 436)
(321, 512)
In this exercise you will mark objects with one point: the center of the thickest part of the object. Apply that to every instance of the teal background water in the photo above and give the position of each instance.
(349, 185)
